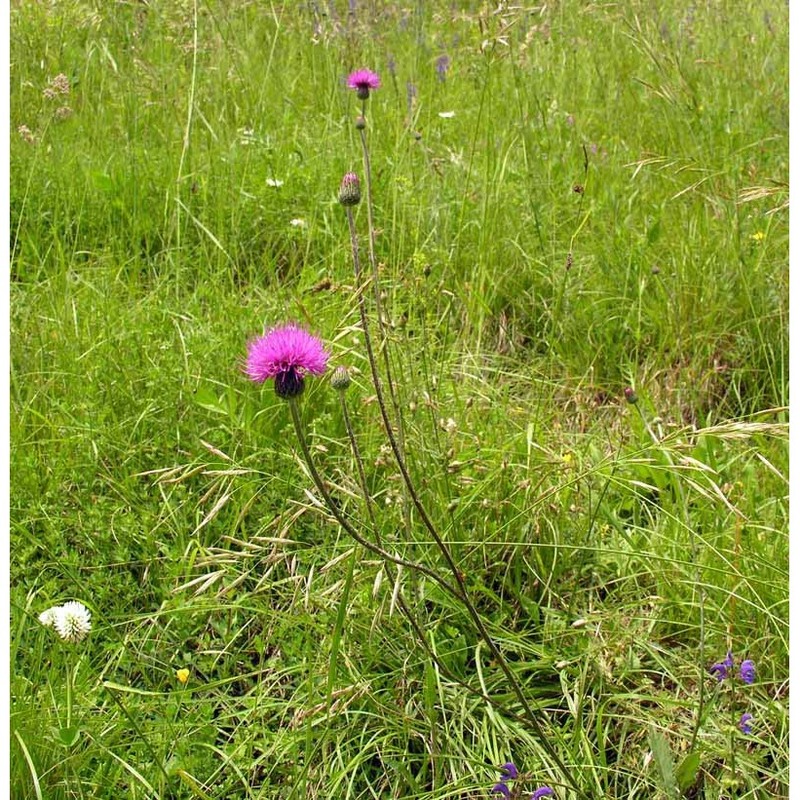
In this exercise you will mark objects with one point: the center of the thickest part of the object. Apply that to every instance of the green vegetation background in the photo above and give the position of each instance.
(584, 196)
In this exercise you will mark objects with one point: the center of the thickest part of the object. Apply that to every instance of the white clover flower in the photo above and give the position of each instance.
(298, 223)
(72, 621)
(48, 617)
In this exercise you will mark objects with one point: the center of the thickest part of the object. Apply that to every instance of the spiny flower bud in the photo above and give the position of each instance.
(350, 190)
(630, 395)
(361, 123)
(340, 379)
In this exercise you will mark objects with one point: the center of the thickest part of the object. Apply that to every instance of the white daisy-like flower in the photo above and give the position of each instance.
(276, 183)
(298, 223)
(72, 621)
(48, 617)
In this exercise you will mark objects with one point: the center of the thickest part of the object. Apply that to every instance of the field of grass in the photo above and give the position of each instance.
(570, 199)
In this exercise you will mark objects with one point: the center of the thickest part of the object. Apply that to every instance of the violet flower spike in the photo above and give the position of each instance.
(542, 791)
(747, 671)
(287, 354)
(719, 671)
(744, 724)
(728, 662)
(501, 788)
(362, 80)
(509, 771)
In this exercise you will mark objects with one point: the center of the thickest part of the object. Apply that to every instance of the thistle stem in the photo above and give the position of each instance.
(342, 520)
(376, 283)
(461, 588)
(404, 608)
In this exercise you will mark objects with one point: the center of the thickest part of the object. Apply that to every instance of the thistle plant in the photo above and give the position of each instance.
(288, 354)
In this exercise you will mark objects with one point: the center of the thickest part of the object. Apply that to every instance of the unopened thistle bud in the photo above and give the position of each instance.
(361, 122)
(350, 190)
(340, 380)
(630, 395)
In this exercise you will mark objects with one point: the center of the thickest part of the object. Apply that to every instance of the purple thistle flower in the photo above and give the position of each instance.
(744, 724)
(509, 771)
(350, 190)
(501, 788)
(362, 80)
(286, 354)
(747, 671)
(542, 791)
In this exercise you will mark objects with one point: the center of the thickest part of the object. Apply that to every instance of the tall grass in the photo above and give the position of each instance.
(589, 197)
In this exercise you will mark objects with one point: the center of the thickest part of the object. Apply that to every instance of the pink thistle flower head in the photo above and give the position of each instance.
(350, 190)
(362, 80)
(286, 353)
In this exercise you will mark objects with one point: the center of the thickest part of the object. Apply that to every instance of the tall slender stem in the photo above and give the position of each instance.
(404, 608)
(462, 592)
(342, 520)
(376, 284)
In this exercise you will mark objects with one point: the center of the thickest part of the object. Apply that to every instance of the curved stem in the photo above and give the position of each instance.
(404, 608)
(462, 593)
(342, 520)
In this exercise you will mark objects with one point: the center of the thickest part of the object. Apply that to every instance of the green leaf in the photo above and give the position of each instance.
(69, 736)
(687, 771)
(662, 755)
(205, 398)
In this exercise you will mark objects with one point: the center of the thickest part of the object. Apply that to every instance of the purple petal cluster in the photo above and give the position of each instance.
(362, 80)
(723, 669)
(720, 669)
(287, 354)
(744, 724)
(509, 772)
(747, 671)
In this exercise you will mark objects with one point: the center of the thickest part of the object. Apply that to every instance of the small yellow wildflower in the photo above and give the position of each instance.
(182, 675)
(757, 236)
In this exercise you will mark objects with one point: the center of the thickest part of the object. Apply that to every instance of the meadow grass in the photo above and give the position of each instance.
(581, 198)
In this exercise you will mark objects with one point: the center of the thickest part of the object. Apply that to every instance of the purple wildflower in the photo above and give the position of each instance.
(509, 771)
(747, 671)
(501, 788)
(542, 791)
(744, 724)
(720, 670)
(286, 354)
(442, 63)
(362, 80)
